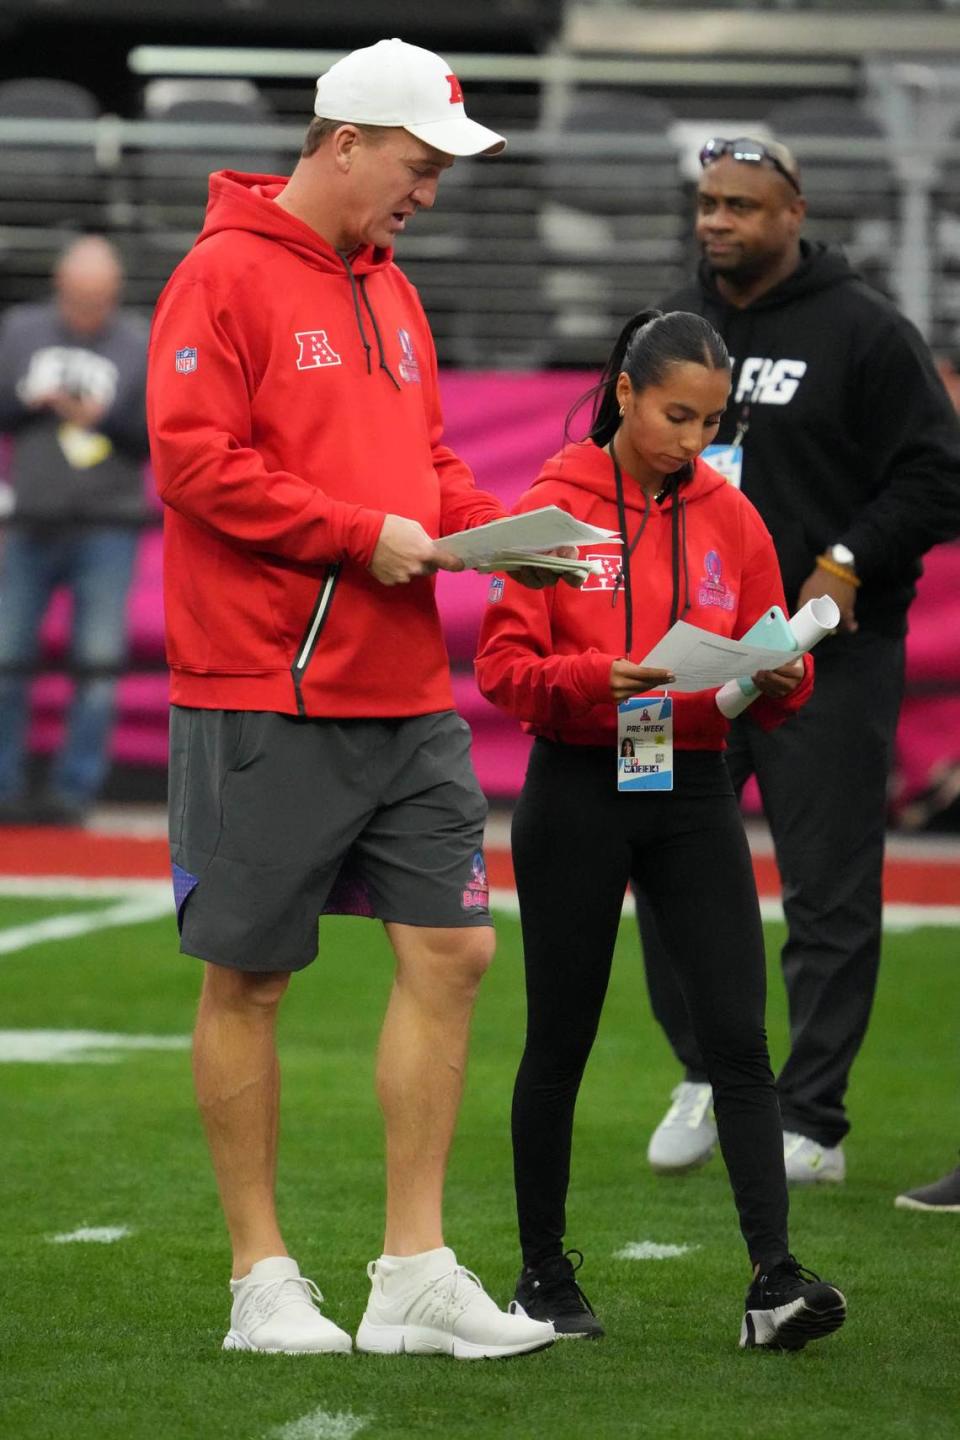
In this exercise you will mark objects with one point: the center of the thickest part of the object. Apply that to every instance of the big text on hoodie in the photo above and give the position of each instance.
(292, 404)
(701, 554)
(851, 437)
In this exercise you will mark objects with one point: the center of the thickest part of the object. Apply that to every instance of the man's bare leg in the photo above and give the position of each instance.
(237, 1081)
(420, 1071)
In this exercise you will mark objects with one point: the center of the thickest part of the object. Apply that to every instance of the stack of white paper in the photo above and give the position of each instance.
(519, 541)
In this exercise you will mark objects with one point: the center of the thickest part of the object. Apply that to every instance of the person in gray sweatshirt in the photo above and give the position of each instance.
(72, 388)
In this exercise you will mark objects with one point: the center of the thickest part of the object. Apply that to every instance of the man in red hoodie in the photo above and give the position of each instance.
(316, 761)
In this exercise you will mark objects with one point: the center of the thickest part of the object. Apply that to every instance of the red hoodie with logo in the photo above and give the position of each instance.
(705, 555)
(292, 403)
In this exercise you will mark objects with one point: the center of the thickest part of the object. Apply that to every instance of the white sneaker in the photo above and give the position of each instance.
(687, 1135)
(274, 1311)
(809, 1163)
(433, 1306)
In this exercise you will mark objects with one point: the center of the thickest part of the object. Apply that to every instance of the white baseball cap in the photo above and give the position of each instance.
(393, 83)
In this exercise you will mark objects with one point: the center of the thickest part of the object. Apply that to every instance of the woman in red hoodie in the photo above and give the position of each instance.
(693, 548)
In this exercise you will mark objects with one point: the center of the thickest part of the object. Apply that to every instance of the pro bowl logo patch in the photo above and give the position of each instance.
(495, 592)
(476, 896)
(712, 589)
(185, 360)
(409, 366)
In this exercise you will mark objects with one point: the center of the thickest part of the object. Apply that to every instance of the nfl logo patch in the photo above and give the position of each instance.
(186, 360)
(495, 592)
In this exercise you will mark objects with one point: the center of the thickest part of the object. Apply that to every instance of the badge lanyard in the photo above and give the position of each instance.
(646, 724)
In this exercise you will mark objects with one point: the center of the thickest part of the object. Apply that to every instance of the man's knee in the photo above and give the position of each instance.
(228, 989)
(445, 958)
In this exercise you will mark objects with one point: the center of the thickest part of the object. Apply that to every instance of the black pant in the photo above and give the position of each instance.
(823, 778)
(576, 843)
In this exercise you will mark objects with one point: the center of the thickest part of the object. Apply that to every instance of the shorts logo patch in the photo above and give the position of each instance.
(495, 592)
(476, 896)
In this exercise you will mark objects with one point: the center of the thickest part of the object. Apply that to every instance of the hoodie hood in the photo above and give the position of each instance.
(246, 202)
(585, 466)
(819, 269)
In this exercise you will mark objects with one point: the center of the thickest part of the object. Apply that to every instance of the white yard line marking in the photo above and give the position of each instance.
(95, 1234)
(650, 1250)
(895, 916)
(322, 1425)
(69, 1047)
(42, 887)
(132, 911)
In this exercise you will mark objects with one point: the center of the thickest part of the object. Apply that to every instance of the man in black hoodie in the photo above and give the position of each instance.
(840, 432)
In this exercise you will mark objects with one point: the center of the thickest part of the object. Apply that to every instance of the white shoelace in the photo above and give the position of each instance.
(267, 1298)
(690, 1104)
(442, 1300)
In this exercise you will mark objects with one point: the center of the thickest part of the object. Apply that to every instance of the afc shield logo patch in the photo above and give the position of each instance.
(609, 577)
(185, 360)
(315, 350)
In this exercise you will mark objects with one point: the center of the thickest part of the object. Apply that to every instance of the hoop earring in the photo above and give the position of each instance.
(622, 412)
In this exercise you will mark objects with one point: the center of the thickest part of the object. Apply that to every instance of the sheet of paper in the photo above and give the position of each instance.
(523, 560)
(701, 660)
(536, 530)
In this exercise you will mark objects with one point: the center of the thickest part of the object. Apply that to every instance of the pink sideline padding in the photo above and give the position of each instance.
(505, 425)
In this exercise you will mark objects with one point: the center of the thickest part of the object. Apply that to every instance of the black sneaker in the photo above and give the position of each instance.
(941, 1195)
(788, 1306)
(548, 1291)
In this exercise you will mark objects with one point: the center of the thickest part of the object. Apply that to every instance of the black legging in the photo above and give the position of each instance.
(576, 843)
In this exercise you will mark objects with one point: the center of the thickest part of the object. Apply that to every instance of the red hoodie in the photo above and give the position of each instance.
(545, 655)
(292, 403)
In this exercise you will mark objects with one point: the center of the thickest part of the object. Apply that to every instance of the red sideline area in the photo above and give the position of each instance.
(923, 879)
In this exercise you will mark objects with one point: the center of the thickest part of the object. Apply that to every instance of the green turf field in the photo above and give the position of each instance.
(122, 1340)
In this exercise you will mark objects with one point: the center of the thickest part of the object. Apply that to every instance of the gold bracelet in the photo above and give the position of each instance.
(842, 572)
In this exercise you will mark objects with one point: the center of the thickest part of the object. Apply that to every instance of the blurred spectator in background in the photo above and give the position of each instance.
(841, 434)
(72, 398)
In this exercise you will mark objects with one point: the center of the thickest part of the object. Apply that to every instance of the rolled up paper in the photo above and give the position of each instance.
(817, 618)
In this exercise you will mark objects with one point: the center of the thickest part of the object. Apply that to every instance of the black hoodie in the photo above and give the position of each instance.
(850, 437)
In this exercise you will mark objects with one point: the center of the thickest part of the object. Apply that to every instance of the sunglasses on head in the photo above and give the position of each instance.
(752, 152)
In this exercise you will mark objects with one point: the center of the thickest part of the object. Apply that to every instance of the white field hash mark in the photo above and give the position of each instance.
(72, 1047)
(92, 1234)
(131, 910)
(650, 1250)
(322, 1425)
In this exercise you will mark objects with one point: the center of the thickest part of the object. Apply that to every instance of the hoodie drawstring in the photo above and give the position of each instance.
(678, 549)
(356, 307)
(376, 331)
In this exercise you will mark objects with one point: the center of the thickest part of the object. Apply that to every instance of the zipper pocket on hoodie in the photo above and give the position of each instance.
(311, 635)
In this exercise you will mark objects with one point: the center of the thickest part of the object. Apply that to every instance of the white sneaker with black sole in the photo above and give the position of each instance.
(275, 1311)
(429, 1305)
(687, 1135)
(788, 1306)
(807, 1162)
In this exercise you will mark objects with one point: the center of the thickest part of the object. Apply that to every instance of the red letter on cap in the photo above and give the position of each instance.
(456, 93)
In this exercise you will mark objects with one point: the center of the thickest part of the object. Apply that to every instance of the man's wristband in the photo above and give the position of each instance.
(842, 572)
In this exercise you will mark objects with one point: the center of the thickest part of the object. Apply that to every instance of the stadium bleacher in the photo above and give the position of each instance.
(525, 265)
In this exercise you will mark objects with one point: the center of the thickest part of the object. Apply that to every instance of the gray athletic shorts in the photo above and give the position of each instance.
(275, 820)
